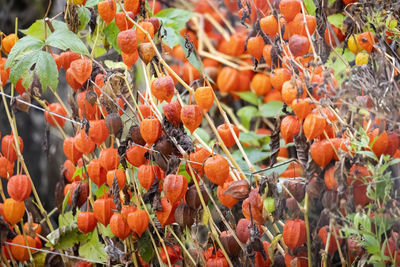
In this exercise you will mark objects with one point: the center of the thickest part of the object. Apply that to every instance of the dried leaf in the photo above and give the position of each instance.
(302, 147)
(275, 142)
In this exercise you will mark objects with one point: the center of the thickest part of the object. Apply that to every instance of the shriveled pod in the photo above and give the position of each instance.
(243, 230)
(103, 210)
(86, 221)
(147, 27)
(192, 198)
(37, 228)
(257, 205)
(184, 215)
(107, 10)
(8, 147)
(255, 46)
(130, 59)
(134, 133)
(19, 187)
(166, 215)
(138, 221)
(146, 175)
(119, 174)
(294, 233)
(81, 69)
(225, 199)
(290, 126)
(52, 119)
(204, 97)
(378, 141)
(279, 77)
(96, 172)
(302, 107)
(261, 84)
(109, 158)
(163, 88)
(135, 155)
(216, 168)
(6, 167)
(198, 158)
(70, 150)
(299, 45)
(313, 126)
(330, 180)
(172, 112)
(229, 243)
(13, 210)
(132, 5)
(83, 143)
(228, 80)
(98, 131)
(323, 234)
(322, 152)
(191, 117)
(19, 251)
(150, 129)
(127, 41)
(269, 25)
(122, 22)
(175, 187)
(114, 123)
(226, 134)
(119, 227)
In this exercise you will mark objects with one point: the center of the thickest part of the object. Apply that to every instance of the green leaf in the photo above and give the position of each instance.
(192, 58)
(66, 219)
(271, 109)
(91, 3)
(337, 65)
(37, 28)
(65, 39)
(310, 6)
(371, 244)
(336, 20)
(23, 46)
(93, 249)
(145, 248)
(203, 134)
(251, 138)
(45, 68)
(65, 237)
(174, 17)
(246, 114)
(250, 97)
(84, 17)
(269, 204)
(171, 37)
(65, 201)
(105, 230)
(111, 32)
(101, 190)
(254, 155)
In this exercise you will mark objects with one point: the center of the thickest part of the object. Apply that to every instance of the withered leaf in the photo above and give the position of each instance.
(275, 142)
(238, 189)
(302, 147)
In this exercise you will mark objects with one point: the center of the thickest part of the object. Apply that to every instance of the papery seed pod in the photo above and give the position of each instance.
(8, 147)
(330, 199)
(166, 215)
(22, 106)
(323, 234)
(175, 187)
(127, 41)
(238, 189)
(184, 215)
(192, 198)
(86, 222)
(119, 227)
(163, 88)
(290, 126)
(172, 112)
(150, 129)
(226, 199)
(114, 123)
(19, 251)
(146, 52)
(191, 117)
(135, 135)
(204, 97)
(13, 211)
(296, 187)
(103, 210)
(315, 187)
(217, 169)
(313, 126)
(138, 221)
(226, 135)
(294, 233)
(19, 187)
(322, 152)
(292, 204)
(231, 246)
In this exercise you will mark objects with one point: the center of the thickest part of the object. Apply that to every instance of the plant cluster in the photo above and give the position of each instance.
(232, 133)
